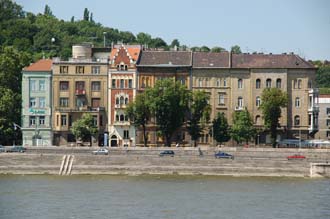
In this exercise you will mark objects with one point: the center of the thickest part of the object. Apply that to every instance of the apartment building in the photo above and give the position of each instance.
(80, 86)
(36, 122)
(157, 65)
(236, 81)
(324, 117)
(121, 91)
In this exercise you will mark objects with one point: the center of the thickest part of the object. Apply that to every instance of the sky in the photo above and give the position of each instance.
(269, 26)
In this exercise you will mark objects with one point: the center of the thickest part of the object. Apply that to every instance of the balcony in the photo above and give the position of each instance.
(313, 129)
(80, 109)
(239, 108)
(80, 92)
(314, 109)
(119, 106)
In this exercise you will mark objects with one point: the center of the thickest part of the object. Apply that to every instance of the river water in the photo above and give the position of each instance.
(165, 197)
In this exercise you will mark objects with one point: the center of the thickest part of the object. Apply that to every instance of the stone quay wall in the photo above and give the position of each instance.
(136, 161)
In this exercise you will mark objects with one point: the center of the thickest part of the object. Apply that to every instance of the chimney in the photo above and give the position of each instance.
(230, 59)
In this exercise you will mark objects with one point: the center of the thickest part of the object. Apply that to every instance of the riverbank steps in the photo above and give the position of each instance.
(187, 161)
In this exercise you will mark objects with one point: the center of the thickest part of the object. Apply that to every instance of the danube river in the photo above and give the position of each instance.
(166, 197)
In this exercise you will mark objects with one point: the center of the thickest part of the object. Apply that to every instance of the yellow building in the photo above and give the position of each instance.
(80, 86)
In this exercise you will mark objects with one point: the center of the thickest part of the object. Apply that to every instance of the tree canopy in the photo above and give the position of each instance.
(272, 100)
(84, 128)
(242, 128)
(220, 128)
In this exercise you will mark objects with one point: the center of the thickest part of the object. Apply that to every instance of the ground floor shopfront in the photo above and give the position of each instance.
(37, 137)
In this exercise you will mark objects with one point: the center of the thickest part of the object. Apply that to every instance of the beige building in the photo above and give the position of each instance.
(324, 117)
(80, 86)
(236, 81)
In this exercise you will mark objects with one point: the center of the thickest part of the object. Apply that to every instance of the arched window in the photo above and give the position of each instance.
(297, 120)
(143, 82)
(278, 83)
(258, 83)
(200, 82)
(269, 83)
(240, 101)
(258, 101)
(299, 83)
(297, 102)
(121, 100)
(224, 82)
(122, 118)
(117, 100)
(240, 83)
(258, 120)
(218, 83)
(126, 101)
(117, 117)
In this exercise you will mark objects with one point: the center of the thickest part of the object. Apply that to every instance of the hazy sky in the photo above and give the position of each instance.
(277, 26)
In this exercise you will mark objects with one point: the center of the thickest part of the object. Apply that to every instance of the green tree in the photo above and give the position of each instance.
(84, 128)
(10, 10)
(323, 76)
(205, 49)
(236, 49)
(242, 128)
(176, 43)
(221, 129)
(48, 11)
(91, 18)
(218, 49)
(199, 111)
(143, 38)
(86, 15)
(139, 113)
(272, 99)
(158, 43)
(169, 104)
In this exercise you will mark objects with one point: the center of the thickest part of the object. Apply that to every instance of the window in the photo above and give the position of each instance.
(121, 83)
(117, 117)
(297, 102)
(328, 122)
(269, 83)
(42, 85)
(297, 120)
(240, 102)
(130, 83)
(258, 101)
(32, 120)
(258, 120)
(328, 111)
(96, 85)
(200, 82)
(101, 120)
(80, 69)
(113, 83)
(42, 102)
(240, 84)
(95, 70)
(33, 102)
(121, 118)
(218, 83)
(126, 101)
(63, 120)
(70, 120)
(64, 102)
(80, 102)
(42, 120)
(225, 82)
(117, 100)
(80, 85)
(121, 100)
(206, 82)
(221, 99)
(310, 84)
(33, 85)
(96, 102)
(278, 83)
(64, 69)
(182, 80)
(328, 134)
(297, 84)
(258, 83)
(126, 134)
(64, 85)
(95, 120)
(57, 120)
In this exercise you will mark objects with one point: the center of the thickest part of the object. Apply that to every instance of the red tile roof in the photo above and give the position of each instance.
(133, 51)
(41, 65)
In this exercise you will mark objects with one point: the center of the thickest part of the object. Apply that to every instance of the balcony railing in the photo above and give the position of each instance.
(239, 108)
(80, 92)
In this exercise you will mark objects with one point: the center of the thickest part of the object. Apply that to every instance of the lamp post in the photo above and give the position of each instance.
(104, 33)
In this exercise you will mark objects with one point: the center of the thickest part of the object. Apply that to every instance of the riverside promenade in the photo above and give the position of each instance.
(186, 161)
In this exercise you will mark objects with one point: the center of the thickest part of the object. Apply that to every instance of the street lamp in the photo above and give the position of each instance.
(104, 33)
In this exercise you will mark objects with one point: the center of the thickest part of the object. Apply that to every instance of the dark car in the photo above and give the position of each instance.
(20, 149)
(167, 153)
(223, 155)
(2, 148)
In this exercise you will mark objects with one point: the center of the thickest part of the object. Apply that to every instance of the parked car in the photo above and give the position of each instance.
(223, 155)
(20, 149)
(2, 148)
(166, 153)
(101, 151)
(296, 157)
